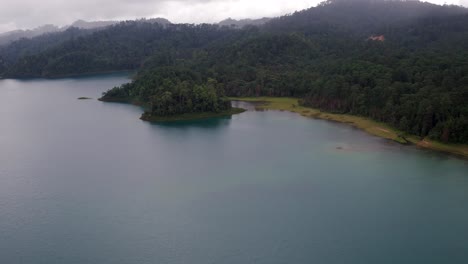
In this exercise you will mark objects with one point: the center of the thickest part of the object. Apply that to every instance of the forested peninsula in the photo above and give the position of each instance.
(402, 63)
(173, 101)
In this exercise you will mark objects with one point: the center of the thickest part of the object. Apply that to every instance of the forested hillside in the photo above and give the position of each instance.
(124, 46)
(360, 17)
(401, 62)
(10, 54)
(10, 36)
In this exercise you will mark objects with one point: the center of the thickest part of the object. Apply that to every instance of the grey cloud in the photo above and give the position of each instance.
(32, 13)
(16, 14)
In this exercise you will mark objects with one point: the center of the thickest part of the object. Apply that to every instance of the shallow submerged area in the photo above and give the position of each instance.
(83, 181)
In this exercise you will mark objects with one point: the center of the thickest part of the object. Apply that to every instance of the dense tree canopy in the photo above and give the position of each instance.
(172, 91)
(401, 62)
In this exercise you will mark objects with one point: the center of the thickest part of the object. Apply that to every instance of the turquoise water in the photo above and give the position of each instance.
(88, 182)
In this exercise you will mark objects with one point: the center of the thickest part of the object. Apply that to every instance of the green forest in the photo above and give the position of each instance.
(171, 96)
(404, 63)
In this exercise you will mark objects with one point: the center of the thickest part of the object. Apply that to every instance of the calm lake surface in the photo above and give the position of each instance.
(88, 182)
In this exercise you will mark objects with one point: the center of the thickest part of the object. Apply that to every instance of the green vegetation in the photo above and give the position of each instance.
(168, 97)
(401, 63)
(366, 124)
(124, 46)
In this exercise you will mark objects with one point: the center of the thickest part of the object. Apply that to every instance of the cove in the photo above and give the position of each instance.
(83, 181)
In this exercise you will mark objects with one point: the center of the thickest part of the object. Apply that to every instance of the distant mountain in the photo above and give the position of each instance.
(92, 24)
(158, 20)
(82, 24)
(8, 37)
(244, 22)
(11, 36)
(363, 17)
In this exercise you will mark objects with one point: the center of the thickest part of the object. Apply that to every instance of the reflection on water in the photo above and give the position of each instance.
(209, 123)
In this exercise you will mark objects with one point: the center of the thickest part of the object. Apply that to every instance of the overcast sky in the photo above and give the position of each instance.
(23, 14)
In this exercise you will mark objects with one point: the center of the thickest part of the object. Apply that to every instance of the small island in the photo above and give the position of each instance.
(166, 100)
(84, 98)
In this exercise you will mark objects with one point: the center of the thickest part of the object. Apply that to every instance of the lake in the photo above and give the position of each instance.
(83, 181)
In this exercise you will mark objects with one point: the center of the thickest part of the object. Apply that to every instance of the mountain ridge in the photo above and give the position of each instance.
(14, 35)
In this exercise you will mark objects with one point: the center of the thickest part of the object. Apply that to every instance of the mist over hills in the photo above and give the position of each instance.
(362, 16)
(11, 36)
(8, 37)
(90, 25)
(244, 22)
(404, 63)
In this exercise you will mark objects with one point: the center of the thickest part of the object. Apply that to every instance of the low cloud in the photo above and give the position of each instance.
(21, 14)
(33, 13)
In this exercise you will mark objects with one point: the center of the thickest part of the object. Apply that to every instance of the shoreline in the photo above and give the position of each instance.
(190, 116)
(368, 125)
(175, 118)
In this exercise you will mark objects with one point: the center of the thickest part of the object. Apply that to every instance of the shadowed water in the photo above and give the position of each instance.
(88, 182)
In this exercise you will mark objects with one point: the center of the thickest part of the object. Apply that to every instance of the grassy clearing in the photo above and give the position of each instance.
(366, 124)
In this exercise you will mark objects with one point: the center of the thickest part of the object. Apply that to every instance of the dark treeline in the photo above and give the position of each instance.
(172, 91)
(25, 47)
(401, 62)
